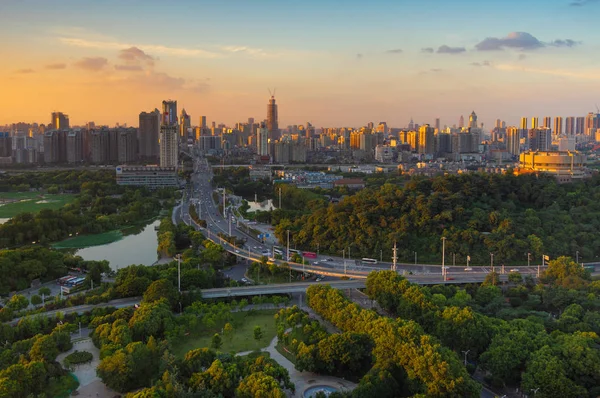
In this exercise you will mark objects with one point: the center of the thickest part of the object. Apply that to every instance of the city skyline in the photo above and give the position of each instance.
(331, 65)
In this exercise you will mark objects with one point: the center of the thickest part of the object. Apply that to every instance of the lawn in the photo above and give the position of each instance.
(83, 241)
(31, 202)
(242, 338)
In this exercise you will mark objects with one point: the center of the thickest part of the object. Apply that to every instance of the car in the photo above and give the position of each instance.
(237, 251)
(319, 279)
(315, 263)
(449, 278)
(329, 259)
(514, 270)
(244, 280)
(468, 269)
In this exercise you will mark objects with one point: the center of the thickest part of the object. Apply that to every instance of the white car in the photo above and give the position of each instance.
(514, 270)
(468, 269)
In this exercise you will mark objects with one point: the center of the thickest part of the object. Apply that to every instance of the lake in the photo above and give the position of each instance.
(135, 248)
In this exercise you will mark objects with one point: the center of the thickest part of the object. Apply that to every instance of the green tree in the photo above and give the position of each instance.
(259, 385)
(45, 291)
(216, 342)
(228, 330)
(515, 277)
(17, 302)
(159, 289)
(43, 349)
(564, 267)
(258, 333)
(36, 300)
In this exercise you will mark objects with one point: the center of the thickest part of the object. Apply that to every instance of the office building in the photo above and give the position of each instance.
(55, 146)
(547, 122)
(185, 123)
(272, 119)
(202, 122)
(262, 140)
(99, 146)
(558, 125)
(152, 177)
(148, 132)
(169, 111)
(473, 120)
(127, 146)
(534, 123)
(592, 123)
(59, 121)
(5, 144)
(461, 123)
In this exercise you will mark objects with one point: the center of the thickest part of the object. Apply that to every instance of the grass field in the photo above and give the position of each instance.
(31, 202)
(83, 241)
(242, 338)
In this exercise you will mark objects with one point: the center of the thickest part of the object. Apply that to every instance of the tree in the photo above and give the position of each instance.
(515, 277)
(36, 300)
(216, 342)
(228, 330)
(17, 302)
(258, 333)
(159, 289)
(563, 268)
(45, 291)
(492, 278)
(259, 385)
(43, 349)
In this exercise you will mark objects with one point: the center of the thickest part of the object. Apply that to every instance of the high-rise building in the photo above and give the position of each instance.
(99, 146)
(498, 124)
(59, 121)
(168, 145)
(74, 146)
(580, 125)
(127, 142)
(534, 123)
(570, 125)
(262, 140)
(592, 122)
(5, 144)
(558, 125)
(461, 122)
(473, 120)
(547, 122)
(427, 138)
(169, 111)
(202, 122)
(513, 138)
(148, 132)
(185, 123)
(272, 118)
(437, 124)
(55, 146)
(540, 139)
(523, 123)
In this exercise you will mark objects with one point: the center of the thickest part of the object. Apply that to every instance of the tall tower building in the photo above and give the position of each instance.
(59, 121)
(523, 123)
(540, 139)
(427, 139)
(473, 120)
(168, 135)
(185, 123)
(437, 124)
(570, 125)
(262, 140)
(513, 138)
(169, 111)
(202, 122)
(461, 122)
(148, 132)
(592, 122)
(580, 125)
(534, 123)
(272, 118)
(547, 122)
(558, 125)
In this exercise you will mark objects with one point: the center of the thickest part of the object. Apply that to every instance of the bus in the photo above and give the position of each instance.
(277, 250)
(295, 251)
(66, 279)
(590, 268)
(309, 255)
(369, 260)
(75, 282)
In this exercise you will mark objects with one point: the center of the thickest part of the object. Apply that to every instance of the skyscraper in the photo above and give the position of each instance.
(272, 118)
(262, 140)
(461, 122)
(59, 121)
(427, 138)
(592, 122)
(169, 110)
(547, 122)
(580, 125)
(473, 120)
(523, 123)
(184, 124)
(202, 122)
(437, 123)
(148, 132)
(570, 125)
(540, 139)
(513, 138)
(558, 125)
(534, 123)
(168, 135)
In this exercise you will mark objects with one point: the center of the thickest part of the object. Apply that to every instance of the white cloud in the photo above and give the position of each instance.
(583, 75)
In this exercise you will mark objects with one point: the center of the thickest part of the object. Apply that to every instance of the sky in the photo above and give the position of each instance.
(330, 62)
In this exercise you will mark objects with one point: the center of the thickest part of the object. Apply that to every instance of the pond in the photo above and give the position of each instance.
(311, 392)
(135, 248)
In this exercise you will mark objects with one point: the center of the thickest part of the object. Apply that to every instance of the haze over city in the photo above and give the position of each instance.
(332, 63)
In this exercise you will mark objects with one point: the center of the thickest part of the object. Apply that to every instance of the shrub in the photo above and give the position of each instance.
(78, 357)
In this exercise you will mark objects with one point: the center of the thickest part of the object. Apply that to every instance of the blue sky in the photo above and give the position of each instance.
(333, 62)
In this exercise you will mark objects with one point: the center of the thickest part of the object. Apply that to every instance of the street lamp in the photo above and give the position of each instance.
(466, 352)
(528, 259)
(415, 258)
(577, 256)
(444, 257)
(179, 272)
(492, 261)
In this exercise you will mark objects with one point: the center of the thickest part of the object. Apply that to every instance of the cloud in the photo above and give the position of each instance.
(24, 71)
(359, 56)
(129, 68)
(519, 40)
(583, 75)
(394, 51)
(579, 3)
(134, 55)
(484, 63)
(436, 70)
(427, 50)
(92, 63)
(522, 57)
(444, 49)
(564, 43)
(56, 66)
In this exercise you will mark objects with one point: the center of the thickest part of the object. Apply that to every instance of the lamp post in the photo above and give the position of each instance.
(179, 272)
(528, 259)
(577, 256)
(466, 352)
(492, 261)
(415, 258)
(288, 255)
(444, 257)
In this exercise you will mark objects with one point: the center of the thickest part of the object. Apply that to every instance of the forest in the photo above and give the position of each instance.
(509, 216)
